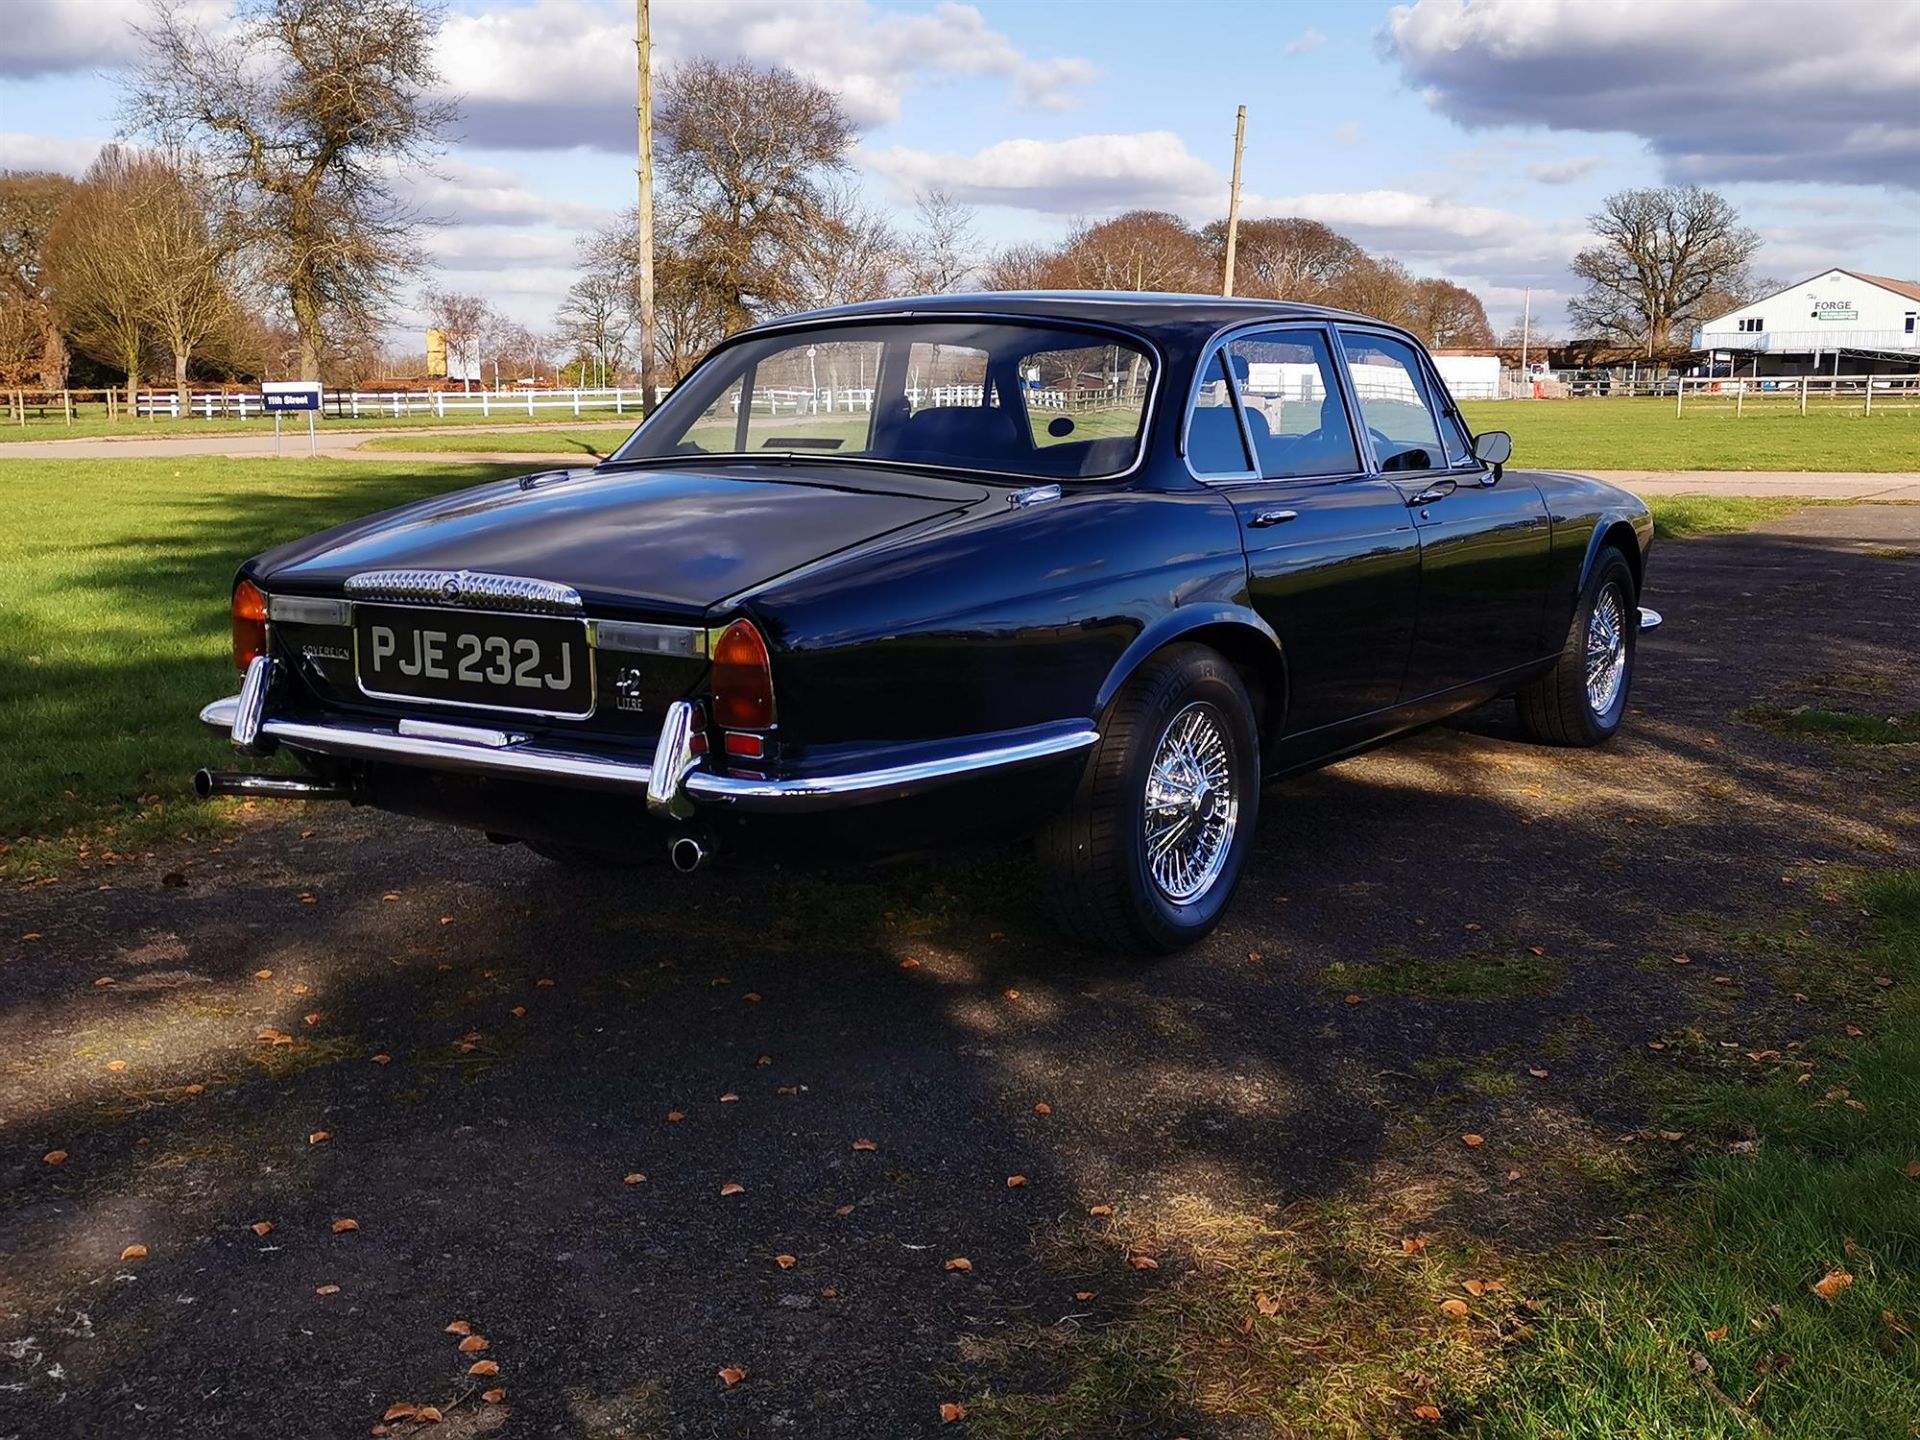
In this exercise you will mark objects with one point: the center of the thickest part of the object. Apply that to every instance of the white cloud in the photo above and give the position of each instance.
(459, 192)
(1562, 172)
(1347, 134)
(1305, 43)
(561, 74)
(54, 37)
(1721, 90)
(46, 152)
(1088, 174)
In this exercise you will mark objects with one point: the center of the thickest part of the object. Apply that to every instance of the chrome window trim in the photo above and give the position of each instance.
(1149, 414)
(507, 593)
(1217, 477)
(1423, 363)
(1330, 332)
(593, 670)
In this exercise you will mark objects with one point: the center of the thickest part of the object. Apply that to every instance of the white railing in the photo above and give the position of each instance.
(1866, 393)
(394, 405)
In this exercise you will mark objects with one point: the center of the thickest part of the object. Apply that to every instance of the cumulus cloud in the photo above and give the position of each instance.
(1719, 91)
(1305, 43)
(560, 74)
(55, 37)
(46, 152)
(459, 192)
(1087, 174)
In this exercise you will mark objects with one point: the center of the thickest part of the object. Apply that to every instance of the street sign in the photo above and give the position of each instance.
(277, 396)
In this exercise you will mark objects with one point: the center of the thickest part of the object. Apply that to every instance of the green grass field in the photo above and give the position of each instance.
(95, 426)
(114, 578)
(1547, 435)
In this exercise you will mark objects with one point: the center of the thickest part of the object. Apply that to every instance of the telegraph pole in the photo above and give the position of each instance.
(1233, 199)
(643, 49)
(1526, 326)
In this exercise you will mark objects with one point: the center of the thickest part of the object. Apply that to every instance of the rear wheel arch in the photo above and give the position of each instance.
(1240, 637)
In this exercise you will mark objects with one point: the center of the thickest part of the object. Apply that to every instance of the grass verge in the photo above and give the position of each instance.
(1647, 435)
(591, 442)
(98, 427)
(114, 578)
(1767, 1286)
(1816, 722)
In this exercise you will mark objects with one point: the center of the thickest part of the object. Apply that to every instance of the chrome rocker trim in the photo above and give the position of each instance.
(683, 783)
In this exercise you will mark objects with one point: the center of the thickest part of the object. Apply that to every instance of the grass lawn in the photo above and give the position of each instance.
(114, 578)
(94, 427)
(1646, 435)
(592, 442)
(114, 575)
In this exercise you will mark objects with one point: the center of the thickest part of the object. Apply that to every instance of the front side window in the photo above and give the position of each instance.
(1293, 406)
(1007, 397)
(1394, 403)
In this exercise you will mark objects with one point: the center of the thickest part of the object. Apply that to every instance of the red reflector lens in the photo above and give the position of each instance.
(742, 679)
(249, 623)
(747, 747)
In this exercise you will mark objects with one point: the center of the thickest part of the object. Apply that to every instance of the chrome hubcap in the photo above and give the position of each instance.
(1606, 650)
(1193, 805)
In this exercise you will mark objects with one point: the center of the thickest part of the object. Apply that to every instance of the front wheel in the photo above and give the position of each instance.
(1147, 855)
(1580, 701)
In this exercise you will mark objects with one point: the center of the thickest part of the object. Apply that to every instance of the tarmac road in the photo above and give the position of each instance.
(925, 1007)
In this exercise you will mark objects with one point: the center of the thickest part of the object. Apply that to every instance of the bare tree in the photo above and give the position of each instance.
(463, 319)
(1286, 259)
(940, 253)
(184, 260)
(746, 152)
(1662, 253)
(1380, 288)
(92, 272)
(1447, 315)
(852, 254)
(1138, 250)
(597, 316)
(30, 206)
(689, 306)
(306, 110)
(1020, 267)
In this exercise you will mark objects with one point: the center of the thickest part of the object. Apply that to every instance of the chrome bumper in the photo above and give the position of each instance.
(674, 782)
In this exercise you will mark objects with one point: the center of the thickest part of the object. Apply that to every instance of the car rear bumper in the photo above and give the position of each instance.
(676, 781)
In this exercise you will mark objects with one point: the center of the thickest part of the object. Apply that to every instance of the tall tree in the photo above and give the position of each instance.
(746, 154)
(1020, 267)
(306, 111)
(1285, 259)
(1662, 253)
(854, 254)
(596, 317)
(31, 203)
(92, 271)
(184, 256)
(941, 250)
(1137, 250)
(1447, 315)
(464, 320)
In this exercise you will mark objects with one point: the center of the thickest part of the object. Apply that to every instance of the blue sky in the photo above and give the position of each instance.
(1468, 140)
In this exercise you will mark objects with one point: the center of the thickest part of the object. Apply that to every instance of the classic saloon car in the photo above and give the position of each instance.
(1098, 565)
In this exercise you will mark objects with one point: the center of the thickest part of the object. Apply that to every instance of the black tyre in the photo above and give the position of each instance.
(1580, 701)
(1147, 855)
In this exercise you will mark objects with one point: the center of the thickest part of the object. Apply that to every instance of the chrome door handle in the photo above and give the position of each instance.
(1272, 517)
(1434, 492)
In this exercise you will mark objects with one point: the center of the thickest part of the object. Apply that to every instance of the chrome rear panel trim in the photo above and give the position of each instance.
(466, 587)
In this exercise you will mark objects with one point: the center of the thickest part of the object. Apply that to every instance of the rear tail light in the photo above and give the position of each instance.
(742, 679)
(249, 624)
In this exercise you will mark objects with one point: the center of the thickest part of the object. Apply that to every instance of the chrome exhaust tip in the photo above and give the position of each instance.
(687, 853)
(209, 783)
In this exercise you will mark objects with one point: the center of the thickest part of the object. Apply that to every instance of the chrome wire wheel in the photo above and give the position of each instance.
(1193, 805)
(1606, 650)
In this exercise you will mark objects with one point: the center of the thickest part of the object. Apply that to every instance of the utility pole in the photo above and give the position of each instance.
(1233, 199)
(1526, 327)
(643, 49)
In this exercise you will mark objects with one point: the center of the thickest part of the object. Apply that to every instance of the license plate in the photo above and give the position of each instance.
(531, 663)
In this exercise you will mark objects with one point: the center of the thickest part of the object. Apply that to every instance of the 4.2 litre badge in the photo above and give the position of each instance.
(626, 690)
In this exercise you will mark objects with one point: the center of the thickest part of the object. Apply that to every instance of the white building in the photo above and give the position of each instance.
(1839, 322)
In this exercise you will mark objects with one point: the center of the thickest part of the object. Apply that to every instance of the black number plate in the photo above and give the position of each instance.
(531, 663)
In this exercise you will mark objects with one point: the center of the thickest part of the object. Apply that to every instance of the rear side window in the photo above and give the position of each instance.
(1215, 445)
(1088, 394)
(1292, 400)
(1393, 402)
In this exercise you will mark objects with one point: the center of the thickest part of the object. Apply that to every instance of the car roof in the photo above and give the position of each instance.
(1139, 310)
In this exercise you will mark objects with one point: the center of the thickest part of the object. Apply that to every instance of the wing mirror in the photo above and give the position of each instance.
(1494, 448)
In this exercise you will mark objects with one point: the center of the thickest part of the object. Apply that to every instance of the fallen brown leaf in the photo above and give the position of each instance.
(785, 1262)
(1473, 1142)
(194, 1089)
(543, 984)
(401, 1411)
(909, 964)
(1083, 1296)
(1355, 1000)
(733, 1187)
(865, 1145)
(519, 1012)
(1717, 1334)
(732, 1375)
(54, 1157)
(1475, 1288)
(474, 1344)
(312, 1017)
(958, 1262)
(1429, 1413)
(484, 1368)
(1015, 1182)
(764, 1060)
(343, 1227)
(319, 1137)
(493, 1396)
(1013, 994)
(1831, 1284)
(1143, 1262)
(843, 1211)
(829, 1293)
(326, 1289)
(1100, 1212)
(134, 1252)
(1656, 1044)
(428, 1415)
(263, 974)
(1537, 1074)
(674, 1117)
(116, 1065)
(751, 997)
(1412, 1244)
(383, 1059)
(1266, 1304)
(1043, 1108)
(1456, 1308)
(949, 1413)
(636, 1178)
(1913, 1169)
(458, 1327)
(263, 1227)
(728, 1098)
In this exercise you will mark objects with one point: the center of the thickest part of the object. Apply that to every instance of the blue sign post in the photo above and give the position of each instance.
(279, 396)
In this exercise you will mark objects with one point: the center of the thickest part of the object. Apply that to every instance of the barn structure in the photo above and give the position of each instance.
(1839, 322)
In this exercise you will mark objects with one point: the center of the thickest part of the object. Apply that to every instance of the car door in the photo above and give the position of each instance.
(1332, 556)
(1485, 540)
